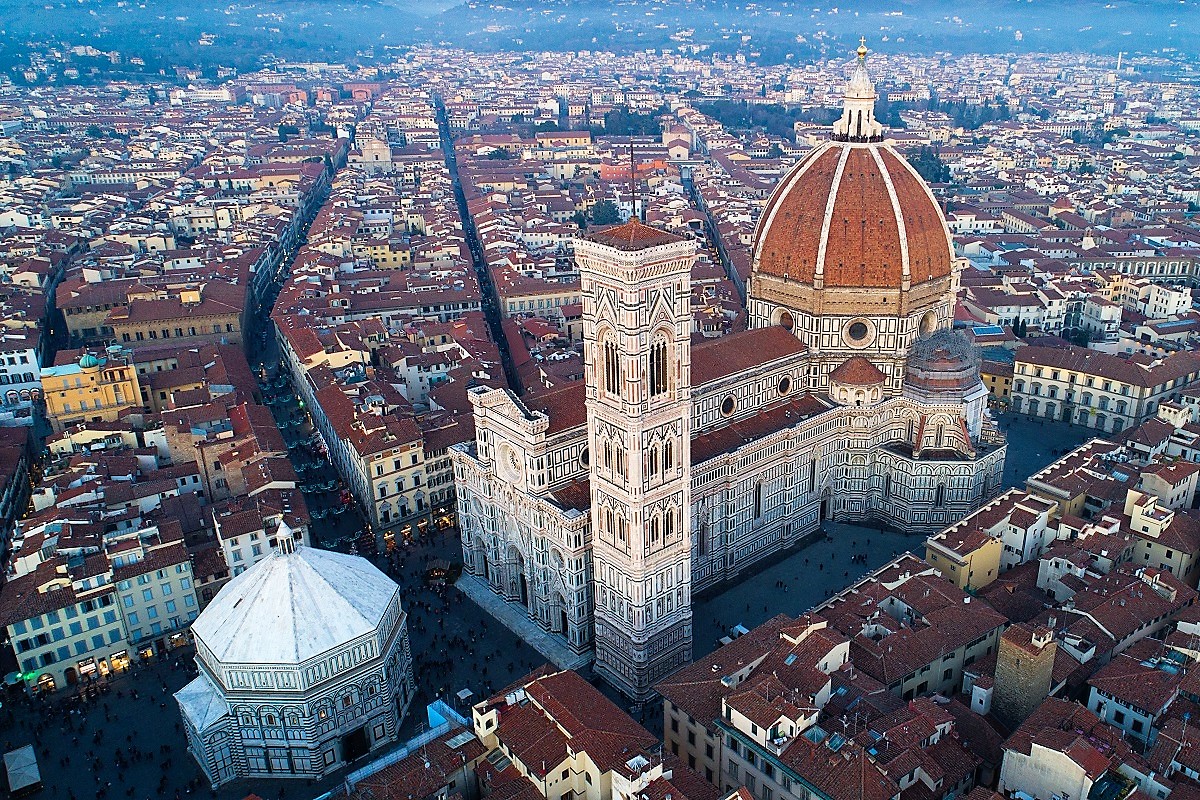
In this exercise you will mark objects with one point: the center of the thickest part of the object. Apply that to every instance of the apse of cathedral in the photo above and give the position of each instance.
(601, 507)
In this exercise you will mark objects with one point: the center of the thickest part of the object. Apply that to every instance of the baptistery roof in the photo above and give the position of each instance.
(293, 606)
(853, 213)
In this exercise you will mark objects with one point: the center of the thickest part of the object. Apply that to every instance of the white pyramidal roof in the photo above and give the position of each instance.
(291, 607)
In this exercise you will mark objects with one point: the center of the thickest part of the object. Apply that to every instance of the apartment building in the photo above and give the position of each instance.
(95, 388)
(1099, 390)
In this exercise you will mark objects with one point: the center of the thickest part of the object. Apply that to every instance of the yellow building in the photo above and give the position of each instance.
(96, 388)
(210, 312)
(997, 377)
(969, 558)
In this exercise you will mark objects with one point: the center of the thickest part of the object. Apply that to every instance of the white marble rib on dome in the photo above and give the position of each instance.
(291, 607)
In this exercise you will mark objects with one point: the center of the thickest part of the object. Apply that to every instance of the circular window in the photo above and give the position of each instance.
(786, 321)
(857, 331)
(928, 323)
(584, 456)
(509, 462)
(728, 405)
(785, 385)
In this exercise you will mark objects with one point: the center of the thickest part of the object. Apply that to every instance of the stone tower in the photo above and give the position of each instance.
(1024, 672)
(637, 332)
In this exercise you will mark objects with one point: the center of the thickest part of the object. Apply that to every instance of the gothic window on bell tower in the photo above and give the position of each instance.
(612, 369)
(658, 368)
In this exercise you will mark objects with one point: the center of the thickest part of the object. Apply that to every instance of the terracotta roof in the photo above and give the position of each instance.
(857, 371)
(741, 351)
(632, 236)
(729, 438)
(843, 212)
(565, 406)
(1106, 365)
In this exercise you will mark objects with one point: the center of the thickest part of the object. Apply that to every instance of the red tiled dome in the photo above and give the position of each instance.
(856, 214)
(857, 371)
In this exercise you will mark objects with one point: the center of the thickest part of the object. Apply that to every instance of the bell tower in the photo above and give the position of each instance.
(637, 350)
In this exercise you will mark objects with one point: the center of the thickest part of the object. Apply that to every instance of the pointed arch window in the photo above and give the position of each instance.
(658, 368)
(939, 497)
(652, 468)
(887, 484)
(758, 496)
(668, 456)
(612, 369)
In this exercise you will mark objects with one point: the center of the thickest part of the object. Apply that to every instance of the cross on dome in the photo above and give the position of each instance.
(858, 123)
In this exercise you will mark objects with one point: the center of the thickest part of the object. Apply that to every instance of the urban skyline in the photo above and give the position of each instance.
(722, 418)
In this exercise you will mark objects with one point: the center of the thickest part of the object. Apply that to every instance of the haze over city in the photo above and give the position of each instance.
(676, 400)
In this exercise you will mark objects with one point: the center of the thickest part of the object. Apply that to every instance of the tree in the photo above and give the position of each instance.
(548, 126)
(287, 130)
(605, 213)
(930, 165)
(499, 154)
(94, 131)
(580, 219)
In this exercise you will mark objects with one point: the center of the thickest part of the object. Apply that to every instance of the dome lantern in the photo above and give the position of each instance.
(858, 123)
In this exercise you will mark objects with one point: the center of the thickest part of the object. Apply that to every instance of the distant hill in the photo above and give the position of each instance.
(168, 32)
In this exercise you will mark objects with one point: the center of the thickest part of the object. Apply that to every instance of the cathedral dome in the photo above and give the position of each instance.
(853, 213)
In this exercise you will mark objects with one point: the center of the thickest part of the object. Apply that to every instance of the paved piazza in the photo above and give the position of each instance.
(456, 644)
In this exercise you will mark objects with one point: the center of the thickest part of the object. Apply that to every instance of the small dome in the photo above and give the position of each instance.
(856, 382)
(89, 361)
(943, 362)
(857, 371)
(292, 607)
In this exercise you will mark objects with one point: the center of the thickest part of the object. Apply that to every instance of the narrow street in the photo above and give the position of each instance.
(456, 645)
(489, 300)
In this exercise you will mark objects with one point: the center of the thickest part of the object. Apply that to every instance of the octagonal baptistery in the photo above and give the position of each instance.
(852, 252)
(304, 666)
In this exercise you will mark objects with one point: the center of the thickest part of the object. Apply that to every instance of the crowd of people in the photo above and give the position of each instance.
(116, 737)
(456, 645)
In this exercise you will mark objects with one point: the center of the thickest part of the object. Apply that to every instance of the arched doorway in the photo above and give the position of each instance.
(521, 583)
(71, 676)
(479, 562)
(561, 623)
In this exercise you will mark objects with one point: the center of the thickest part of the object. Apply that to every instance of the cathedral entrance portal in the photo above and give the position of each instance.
(824, 514)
